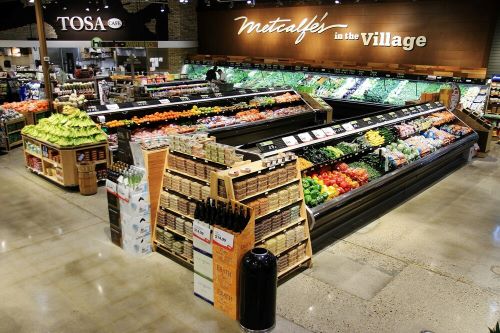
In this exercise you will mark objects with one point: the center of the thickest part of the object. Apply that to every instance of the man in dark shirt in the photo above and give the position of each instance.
(211, 74)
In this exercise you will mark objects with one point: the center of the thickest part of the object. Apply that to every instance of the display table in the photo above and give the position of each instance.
(59, 164)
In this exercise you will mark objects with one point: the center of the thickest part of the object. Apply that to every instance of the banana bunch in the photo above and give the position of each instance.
(374, 138)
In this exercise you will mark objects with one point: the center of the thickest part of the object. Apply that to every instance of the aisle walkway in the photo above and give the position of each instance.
(433, 263)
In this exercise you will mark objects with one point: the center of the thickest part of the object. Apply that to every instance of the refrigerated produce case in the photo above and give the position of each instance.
(235, 117)
(349, 85)
(401, 152)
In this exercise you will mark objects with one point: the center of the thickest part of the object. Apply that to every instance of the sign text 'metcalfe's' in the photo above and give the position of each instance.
(318, 26)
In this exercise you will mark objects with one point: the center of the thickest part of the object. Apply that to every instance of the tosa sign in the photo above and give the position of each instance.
(88, 23)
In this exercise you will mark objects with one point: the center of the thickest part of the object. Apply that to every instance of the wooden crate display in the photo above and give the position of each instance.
(10, 133)
(59, 164)
(276, 196)
(227, 256)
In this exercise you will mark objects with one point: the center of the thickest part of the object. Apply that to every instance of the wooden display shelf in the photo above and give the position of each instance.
(168, 209)
(279, 208)
(174, 254)
(269, 190)
(68, 155)
(293, 267)
(178, 233)
(191, 177)
(280, 230)
(180, 194)
(288, 248)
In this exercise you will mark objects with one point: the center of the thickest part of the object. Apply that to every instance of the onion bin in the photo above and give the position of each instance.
(258, 284)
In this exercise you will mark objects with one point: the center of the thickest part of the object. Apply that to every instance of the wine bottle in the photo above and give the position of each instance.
(197, 211)
(230, 217)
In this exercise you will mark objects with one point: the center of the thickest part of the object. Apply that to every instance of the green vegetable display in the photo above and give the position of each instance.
(72, 127)
(372, 172)
(312, 192)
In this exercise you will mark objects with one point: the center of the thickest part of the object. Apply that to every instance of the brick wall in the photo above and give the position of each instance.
(182, 21)
(176, 58)
(182, 26)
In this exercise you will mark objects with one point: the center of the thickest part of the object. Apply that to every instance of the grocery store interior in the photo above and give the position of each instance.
(250, 166)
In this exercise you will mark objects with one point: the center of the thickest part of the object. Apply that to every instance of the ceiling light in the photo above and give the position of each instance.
(87, 9)
(337, 2)
(31, 1)
(231, 4)
(162, 9)
(105, 3)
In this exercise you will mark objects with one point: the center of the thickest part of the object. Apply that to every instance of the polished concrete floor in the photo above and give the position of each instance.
(433, 264)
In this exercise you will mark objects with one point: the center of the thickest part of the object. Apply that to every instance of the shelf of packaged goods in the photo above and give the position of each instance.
(199, 159)
(95, 162)
(294, 266)
(260, 169)
(178, 233)
(280, 253)
(277, 210)
(180, 194)
(38, 172)
(33, 154)
(175, 254)
(176, 212)
(280, 230)
(269, 190)
(53, 178)
(201, 180)
(54, 163)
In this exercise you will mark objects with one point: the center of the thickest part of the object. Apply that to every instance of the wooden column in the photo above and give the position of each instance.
(43, 50)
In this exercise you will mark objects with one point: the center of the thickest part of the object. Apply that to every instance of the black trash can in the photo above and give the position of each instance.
(258, 284)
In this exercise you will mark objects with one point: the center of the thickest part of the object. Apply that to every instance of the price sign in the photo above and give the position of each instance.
(368, 121)
(338, 129)
(242, 91)
(184, 98)
(204, 96)
(141, 103)
(348, 127)
(381, 118)
(319, 133)
(329, 131)
(392, 115)
(406, 112)
(270, 88)
(112, 107)
(290, 141)
(223, 238)
(305, 137)
(218, 95)
(164, 101)
(354, 124)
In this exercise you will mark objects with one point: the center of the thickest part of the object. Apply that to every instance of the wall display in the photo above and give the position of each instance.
(70, 20)
(380, 90)
(452, 33)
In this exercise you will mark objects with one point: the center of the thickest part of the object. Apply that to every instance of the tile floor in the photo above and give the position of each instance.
(432, 263)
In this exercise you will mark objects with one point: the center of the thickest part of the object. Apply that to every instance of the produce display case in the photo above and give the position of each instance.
(10, 133)
(234, 117)
(352, 85)
(353, 169)
(170, 89)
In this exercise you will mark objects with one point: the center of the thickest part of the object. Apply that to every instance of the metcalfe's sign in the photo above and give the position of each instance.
(69, 20)
(449, 33)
